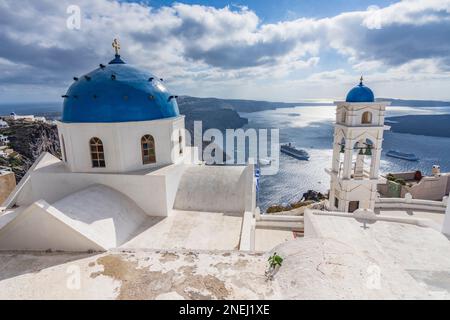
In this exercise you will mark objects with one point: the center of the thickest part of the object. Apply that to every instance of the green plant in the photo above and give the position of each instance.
(275, 261)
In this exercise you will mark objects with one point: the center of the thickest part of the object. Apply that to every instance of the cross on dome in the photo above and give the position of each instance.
(116, 46)
(118, 92)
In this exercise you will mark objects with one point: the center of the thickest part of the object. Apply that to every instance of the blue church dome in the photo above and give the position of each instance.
(118, 92)
(360, 93)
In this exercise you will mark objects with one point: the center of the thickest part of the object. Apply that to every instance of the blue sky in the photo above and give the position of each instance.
(282, 50)
(280, 10)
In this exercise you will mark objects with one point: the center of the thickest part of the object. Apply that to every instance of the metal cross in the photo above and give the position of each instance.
(116, 46)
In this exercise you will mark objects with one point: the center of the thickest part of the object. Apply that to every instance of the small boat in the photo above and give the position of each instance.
(402, 155)
(290, 150)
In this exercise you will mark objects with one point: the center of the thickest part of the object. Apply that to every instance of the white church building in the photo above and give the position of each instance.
(126, 178)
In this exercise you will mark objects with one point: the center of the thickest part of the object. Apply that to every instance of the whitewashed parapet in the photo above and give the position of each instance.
(247, 241)
(408, 203)
(313, 229)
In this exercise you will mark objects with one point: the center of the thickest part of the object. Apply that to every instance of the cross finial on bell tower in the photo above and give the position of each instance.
(116, 46)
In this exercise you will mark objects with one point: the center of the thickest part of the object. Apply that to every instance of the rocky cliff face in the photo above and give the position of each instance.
(214, 113)
(29, 140)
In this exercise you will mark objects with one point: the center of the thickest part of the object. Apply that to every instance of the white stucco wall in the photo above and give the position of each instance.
(189, 187)
(103, 214)
(429, 188)
(95, 218)
(42, 227)
(148, 191)
(121, 142)
(172, 175)
(354, 111)
(50, 180)
(214, 189)
(446, 224)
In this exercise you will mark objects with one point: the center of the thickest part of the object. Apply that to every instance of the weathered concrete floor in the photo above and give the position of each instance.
(339, 260)
(135, 275)
(190, 230)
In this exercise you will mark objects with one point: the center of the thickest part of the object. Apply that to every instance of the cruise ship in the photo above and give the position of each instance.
(402, 155)
(290, 150)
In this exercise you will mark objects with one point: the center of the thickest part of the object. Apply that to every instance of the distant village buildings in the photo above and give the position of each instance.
(3, 124)
(5, 150)
(29, 118)
(3, 140)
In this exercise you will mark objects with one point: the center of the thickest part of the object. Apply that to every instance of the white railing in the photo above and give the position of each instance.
(405, 203)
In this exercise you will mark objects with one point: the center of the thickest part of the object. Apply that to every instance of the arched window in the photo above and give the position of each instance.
(180, 142)
(148, 149)
(366, 117)
(63, 149)
(97, 153)
(343, 116)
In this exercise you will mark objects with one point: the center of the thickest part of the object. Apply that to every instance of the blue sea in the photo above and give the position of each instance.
(311, 128)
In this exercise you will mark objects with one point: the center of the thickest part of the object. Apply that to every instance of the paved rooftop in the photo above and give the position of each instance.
(413, 261)
(150, 274)
(189, 230)
(337, 259)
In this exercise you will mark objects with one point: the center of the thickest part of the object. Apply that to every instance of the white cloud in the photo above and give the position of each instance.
(207, 49)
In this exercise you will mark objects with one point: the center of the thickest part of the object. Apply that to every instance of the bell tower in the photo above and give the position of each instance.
(358, 137)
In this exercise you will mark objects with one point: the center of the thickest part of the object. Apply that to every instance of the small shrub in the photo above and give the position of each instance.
(275, 262)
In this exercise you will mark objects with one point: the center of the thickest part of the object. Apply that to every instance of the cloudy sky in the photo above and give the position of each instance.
(284, 50)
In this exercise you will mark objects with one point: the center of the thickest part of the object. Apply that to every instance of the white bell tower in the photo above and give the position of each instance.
(358, 137)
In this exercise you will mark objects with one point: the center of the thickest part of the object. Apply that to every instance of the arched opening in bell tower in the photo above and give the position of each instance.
(366, 117)
(362, 159)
